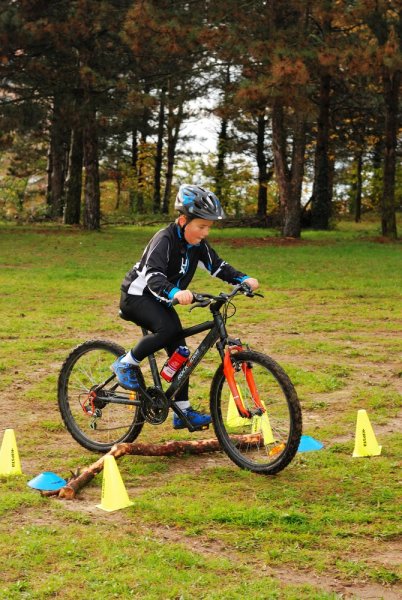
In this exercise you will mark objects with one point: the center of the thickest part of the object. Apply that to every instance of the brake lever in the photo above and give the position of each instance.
(252, 294)
(245, 289)
(198, 297)
(202, 304)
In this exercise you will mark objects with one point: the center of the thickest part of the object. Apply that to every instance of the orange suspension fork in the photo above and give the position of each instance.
(248, 371)
(229, 371)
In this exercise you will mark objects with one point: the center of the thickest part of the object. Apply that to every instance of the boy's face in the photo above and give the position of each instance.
(196, 230)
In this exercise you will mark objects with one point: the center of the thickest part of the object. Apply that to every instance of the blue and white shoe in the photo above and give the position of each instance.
(196, 419)
(126, 373)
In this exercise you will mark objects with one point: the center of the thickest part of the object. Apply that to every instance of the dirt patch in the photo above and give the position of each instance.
(291, 242)
(51, 230)
(208, 546)
(382, 240)
(389, 554)
(264, 241)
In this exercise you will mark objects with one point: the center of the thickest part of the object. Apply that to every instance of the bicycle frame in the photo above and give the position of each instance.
(216, 330)
(217, 335)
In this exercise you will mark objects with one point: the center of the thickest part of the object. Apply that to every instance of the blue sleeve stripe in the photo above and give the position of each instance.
(173, 292)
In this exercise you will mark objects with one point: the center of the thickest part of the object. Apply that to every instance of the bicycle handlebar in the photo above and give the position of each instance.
(201, 300)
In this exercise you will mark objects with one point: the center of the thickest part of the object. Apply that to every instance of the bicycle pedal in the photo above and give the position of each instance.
(202, 428)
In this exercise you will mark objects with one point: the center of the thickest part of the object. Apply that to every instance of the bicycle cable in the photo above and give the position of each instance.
(225, 311)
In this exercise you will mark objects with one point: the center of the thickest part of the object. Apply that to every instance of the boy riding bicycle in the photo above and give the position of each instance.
(162, 275)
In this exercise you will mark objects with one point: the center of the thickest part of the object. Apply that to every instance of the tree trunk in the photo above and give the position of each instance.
(359, 182)
(134, 164)
(57, 159)
(83, 477)
(92, 190)
(173, 128)
(220, 165)
(144, 128)
(140, 201)
(376, 165)
(49, 179)
(391, 83)
(289, 179)
(264, 175)
(72, 207)
(322, 190)
(119, 181)
(159, 154)
(134, 150)
(222, 147)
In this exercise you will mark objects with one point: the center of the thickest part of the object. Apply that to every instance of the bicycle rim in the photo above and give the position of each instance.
(266, 443)
(93, 419)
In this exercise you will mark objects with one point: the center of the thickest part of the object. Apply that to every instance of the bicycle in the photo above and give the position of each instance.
(253, 404)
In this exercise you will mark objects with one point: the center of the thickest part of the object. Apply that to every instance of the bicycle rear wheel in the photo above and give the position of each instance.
(94, 420)
(263, 444)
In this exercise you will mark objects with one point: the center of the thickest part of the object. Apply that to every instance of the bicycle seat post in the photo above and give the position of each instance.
(152, 364)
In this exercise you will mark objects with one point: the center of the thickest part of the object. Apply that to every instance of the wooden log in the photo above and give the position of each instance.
(174, 448)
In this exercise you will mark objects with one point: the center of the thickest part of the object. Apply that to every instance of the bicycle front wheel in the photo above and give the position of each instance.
(264, 443)
(92, 417)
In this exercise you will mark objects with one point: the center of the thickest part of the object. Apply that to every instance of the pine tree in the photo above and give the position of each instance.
(381, 43)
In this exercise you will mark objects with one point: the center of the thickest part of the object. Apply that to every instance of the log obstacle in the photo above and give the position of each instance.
(82, 477)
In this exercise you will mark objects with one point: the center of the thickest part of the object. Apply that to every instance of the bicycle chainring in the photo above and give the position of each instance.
(155, 407)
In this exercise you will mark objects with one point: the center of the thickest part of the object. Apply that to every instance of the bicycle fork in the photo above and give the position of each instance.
(229, 372)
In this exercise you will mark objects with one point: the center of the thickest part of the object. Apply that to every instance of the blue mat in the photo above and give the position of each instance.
(47, 481)
(309, 444)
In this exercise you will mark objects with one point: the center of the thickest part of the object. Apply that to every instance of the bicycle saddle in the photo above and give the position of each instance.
(123, 316)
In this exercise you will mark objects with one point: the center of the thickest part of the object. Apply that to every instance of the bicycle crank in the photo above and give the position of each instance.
(154, 406)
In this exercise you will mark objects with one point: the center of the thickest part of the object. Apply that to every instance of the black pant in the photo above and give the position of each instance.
(162, 320)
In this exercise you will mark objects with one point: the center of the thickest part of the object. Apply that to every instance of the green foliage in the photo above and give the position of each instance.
(21, 178)
(372, 185)
(146, 68)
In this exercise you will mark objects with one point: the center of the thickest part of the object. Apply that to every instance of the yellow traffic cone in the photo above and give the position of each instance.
(365, 441)
(266, 429)
(233, 419)
(9, 457)
(262, 424)
(114, 493)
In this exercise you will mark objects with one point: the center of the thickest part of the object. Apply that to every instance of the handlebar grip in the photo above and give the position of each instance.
(196, 298)
(245, 286)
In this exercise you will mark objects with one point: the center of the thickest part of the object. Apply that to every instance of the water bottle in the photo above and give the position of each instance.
(178, 358)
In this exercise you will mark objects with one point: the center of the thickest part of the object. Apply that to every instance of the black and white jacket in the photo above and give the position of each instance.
(168, 265)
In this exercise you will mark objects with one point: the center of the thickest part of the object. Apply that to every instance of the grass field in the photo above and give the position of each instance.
(327, 527)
